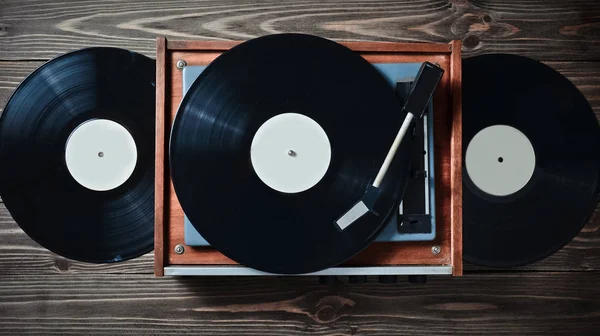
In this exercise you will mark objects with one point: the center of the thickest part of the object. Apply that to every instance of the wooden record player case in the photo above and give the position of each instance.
(441, 256)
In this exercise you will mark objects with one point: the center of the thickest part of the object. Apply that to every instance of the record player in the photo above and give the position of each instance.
(423, 237)
(293, 154)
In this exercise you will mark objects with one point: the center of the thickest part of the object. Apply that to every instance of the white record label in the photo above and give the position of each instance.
(500, 160)
(100, 154)
(290, 152)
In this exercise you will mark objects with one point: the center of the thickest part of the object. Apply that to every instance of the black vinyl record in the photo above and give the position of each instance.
(503, 229)
(41, 194)
(211, 165)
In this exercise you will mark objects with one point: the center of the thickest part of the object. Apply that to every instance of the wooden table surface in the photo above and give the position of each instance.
(41, 292)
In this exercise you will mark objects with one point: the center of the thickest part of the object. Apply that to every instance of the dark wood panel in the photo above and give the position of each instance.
(565, 30)
(11, 75)
(41, 293)
(485, 304)
(162, 127)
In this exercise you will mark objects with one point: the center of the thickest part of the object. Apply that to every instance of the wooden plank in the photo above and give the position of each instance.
(11, 75)
(456, 212)
(434, 48)
(482, 304)
(554, 29)
(159, 180)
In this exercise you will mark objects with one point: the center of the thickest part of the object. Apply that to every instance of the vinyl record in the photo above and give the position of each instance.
(77, 153)
(531, 147)
(277, 139)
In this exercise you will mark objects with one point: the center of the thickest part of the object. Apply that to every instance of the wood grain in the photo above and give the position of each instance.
(41, 293)
(485, 304)
(159, 179)
(456, 208)
(11, 75)
(366, 46)
(554, 29)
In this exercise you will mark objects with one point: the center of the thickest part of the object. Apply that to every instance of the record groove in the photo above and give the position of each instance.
(210, 160)
(35, 184)
(556, 202)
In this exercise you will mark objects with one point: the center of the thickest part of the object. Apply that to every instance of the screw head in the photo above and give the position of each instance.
(181, 64)
(179, 249)
(436, 249)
